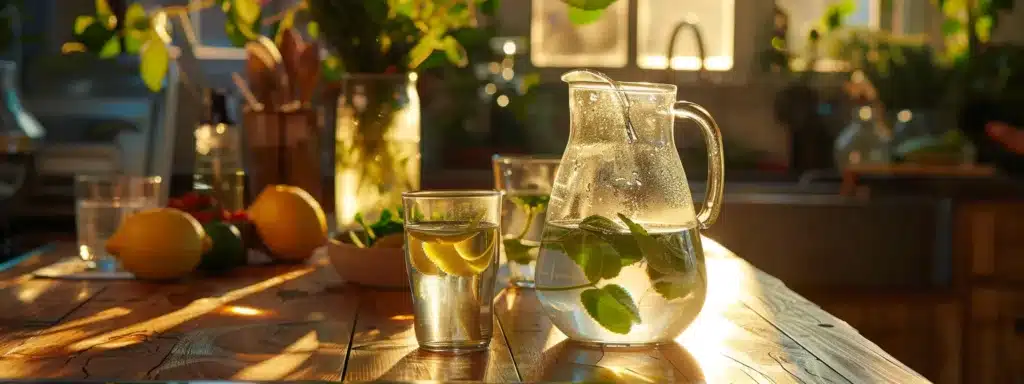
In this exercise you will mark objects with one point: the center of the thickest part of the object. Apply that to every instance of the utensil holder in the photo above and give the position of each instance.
(283, 147)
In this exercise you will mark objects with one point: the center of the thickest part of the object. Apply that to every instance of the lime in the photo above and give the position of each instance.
(227, 251)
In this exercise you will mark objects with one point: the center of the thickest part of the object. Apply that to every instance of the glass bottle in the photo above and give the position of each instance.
(865, 140)
(218, 169)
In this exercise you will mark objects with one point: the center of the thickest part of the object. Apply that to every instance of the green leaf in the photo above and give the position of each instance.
(583, 17)
(624, 245)
(111, 48)
(596, 261)
(313, 29)
(235, 34)
(662, 254)
(154, 62)
(95, 37)
(951, 26)
(589, 5)
(247, 11)
(331, 69)
(983, 28)
(135, 17)
(453, 50)
(103, 9)
(133, 41)
(82, 22)
(520, 253)
(672, 286)
(612, 307)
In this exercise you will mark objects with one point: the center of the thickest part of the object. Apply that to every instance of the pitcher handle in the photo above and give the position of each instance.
(716, 163)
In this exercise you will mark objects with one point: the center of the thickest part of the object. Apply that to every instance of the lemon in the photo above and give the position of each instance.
(477, 262)
(447, 259)
(419, 260)
(289, 221)
(159, 244)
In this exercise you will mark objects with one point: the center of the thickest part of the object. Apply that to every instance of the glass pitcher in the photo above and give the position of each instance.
(621, 261)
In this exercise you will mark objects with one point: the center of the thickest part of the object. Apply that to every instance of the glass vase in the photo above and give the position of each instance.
(377, 154)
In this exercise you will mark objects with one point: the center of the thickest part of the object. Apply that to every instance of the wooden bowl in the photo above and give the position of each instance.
(372, 267)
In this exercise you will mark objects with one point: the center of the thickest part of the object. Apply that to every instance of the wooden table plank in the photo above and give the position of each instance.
(384, 347)
(727, 343)
(269, 323)
(300, 322)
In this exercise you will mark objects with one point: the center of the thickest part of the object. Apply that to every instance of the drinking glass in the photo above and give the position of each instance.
(102, 202)
(526, 182)
(451, 248)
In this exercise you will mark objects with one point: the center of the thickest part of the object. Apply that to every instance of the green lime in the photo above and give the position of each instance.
(227, 251)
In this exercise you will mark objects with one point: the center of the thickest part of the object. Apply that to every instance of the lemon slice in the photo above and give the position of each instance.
(443, 238)
(447, 259)
(478, 262)
(419, 259)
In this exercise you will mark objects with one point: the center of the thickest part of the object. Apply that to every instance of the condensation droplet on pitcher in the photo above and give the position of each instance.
(594, 96)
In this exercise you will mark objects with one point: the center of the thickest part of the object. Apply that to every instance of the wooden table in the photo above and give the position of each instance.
(303, 323)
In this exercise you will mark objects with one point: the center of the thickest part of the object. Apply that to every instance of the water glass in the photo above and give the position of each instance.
(526, 183)
(451, 248)
(102, 202)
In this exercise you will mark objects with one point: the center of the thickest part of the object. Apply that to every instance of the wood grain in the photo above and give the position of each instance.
(298, 322)
(727, 343)
(273, 323)
(384, 347)
(824, 336)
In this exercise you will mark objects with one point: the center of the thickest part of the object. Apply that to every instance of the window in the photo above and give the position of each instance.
(556, 42)
(656, 20)
(805, 15)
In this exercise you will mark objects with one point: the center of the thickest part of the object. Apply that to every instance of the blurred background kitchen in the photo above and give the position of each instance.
(869, 144)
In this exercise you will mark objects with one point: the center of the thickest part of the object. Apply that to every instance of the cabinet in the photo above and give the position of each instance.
(991, 246)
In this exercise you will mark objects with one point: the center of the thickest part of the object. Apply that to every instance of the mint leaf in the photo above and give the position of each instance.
(583, 17)
(517, 252)
(609, 231)
(673, 286)
(586, 250)
(664, 256)
(612, 307)
(527, 202)
(600, 224)
(589, 5)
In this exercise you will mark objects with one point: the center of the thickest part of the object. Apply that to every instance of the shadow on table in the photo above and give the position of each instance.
(573, 362)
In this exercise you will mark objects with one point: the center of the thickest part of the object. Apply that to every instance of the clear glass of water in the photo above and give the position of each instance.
(102, 202)
(526, 182)
(451, 248)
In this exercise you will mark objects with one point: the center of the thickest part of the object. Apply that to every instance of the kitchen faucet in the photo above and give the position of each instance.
(701, 54)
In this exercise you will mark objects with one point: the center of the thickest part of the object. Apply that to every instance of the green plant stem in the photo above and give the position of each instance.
(530, 214)
(569, 288)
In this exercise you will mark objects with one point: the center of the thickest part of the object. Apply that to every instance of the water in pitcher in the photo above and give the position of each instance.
(609, 282)
(97, 220)
(451, 271)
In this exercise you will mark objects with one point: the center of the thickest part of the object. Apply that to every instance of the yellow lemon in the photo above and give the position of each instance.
(289, 221)
(447, 259)
(419, 260)
(478, 262)
(159, 244)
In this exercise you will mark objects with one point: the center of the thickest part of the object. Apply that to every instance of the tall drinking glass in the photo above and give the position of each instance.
(526, 182)
(451, 248)
(102, 202)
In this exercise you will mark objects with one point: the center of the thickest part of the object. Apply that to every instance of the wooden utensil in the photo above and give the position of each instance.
(259, 70)
(309, 61)
(291, 47)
